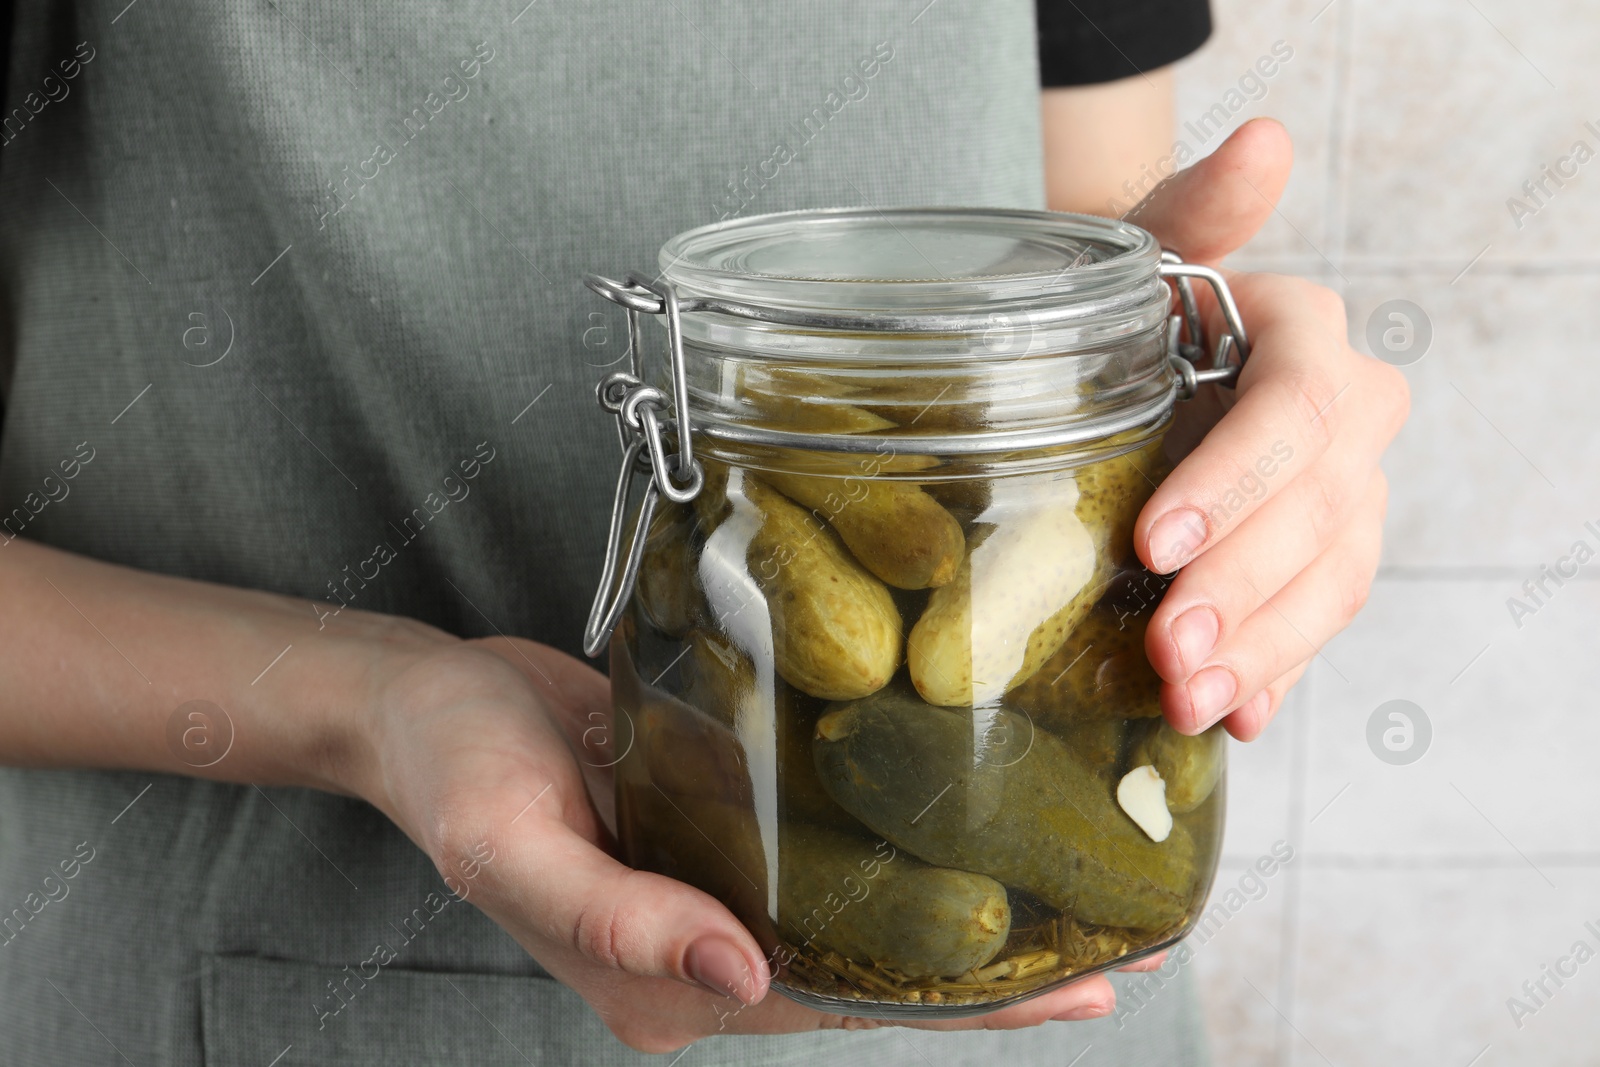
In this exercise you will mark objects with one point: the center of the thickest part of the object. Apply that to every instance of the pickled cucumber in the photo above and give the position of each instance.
(803, 416)
(874, 904)
(723, 684)
(838, 892)
(801, 797)
(1026, 583)
(1113, 491)
(981, 790)
(690, 754)
(721, 677)
(1191, 766)
(668, 591)
(711, 503)
(834, 630)
(965, 499)
(790, 399)
(1100, 672)
(1099, 743)
(897, 531)
(714, 846)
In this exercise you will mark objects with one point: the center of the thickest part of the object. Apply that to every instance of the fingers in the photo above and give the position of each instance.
(1149, 963)
(1252, 717)
(614, 934)
(585, 908)
(1211, 209)
(1286, 417)
(1212, 596)
(1286, 629)
(614, 922)
(1090, 998)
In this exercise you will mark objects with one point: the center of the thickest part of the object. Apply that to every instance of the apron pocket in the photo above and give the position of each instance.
(254, 1009)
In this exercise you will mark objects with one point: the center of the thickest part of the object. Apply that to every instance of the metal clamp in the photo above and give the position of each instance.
(638, 409)
(1185, 356)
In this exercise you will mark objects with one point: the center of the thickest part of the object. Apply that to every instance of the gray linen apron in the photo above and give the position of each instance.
(271, 271)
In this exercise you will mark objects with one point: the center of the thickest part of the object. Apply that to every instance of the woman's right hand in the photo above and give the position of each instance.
(490, 755)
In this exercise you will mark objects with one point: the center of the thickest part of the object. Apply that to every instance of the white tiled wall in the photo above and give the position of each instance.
(1422, 897)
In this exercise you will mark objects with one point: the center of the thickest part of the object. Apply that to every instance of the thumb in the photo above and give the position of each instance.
(641, 924)
(1212, 208)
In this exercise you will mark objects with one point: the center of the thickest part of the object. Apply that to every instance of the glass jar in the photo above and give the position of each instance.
(877, 662)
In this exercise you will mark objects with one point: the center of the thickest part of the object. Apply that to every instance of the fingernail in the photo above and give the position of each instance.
(1195, 633)
(1086, 1011)
(1210, 693)
(1175, 538)
(721, 968)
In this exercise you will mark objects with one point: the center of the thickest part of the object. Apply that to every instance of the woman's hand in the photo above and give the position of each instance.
(491, 756)
(1275, 517)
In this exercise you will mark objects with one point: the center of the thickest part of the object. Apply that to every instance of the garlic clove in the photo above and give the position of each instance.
(1143, 795)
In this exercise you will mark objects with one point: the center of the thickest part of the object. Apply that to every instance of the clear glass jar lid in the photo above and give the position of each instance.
(923, 269)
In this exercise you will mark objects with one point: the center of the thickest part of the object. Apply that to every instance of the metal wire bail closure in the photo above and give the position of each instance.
(639, 409)
(1186, 356)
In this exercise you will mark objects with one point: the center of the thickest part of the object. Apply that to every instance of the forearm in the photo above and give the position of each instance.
(95, 659)
(1103, 143)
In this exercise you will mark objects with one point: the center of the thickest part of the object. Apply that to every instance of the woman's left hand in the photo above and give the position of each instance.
(1275, 517)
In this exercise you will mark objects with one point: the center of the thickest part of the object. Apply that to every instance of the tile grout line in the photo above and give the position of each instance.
(1467, 572)
(1384, 862)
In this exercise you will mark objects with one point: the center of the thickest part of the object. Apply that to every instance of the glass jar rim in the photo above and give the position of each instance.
(915, 269)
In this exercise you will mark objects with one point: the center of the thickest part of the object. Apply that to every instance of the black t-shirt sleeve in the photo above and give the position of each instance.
(1082, 42)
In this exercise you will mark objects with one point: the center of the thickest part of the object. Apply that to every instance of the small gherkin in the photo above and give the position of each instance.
(1191, 766)
(1100, 673)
